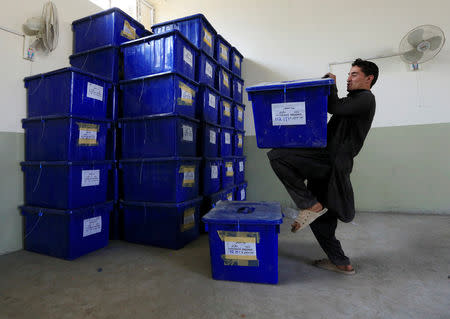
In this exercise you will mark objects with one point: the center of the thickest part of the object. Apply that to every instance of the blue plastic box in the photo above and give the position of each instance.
(66, 234)
(209, 140)
(238, 116)
(291, 113)
(236, 62)
(196, 28)
(208, 100)
(110, 27)
(223, 50)
(161, 224)
(239, 169)
(223, 81)
(206, 68)
(243, 241)
(228, 172)
(163, 180)
(226, 110)
(65, 185)
(158, 136)
(66, 138)
(237, 89)
(228, 194)
(164, 52)
(238, 143)
(226, 141)
(241, 192)
(211, 175)
(67, 91)
(164, 93)
(103, 61)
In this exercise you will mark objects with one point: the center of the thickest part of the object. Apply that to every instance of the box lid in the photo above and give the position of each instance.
(192, 17)
(294, 84)
(243, 212)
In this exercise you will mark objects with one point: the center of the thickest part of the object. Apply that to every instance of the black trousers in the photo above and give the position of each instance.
(296, 166)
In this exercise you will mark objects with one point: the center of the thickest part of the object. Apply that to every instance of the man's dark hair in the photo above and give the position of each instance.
(368, 68)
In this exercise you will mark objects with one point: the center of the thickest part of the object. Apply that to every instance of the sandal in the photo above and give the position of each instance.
(328, 265)
(306, 217)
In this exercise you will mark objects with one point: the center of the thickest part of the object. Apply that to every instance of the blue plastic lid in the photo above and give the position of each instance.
(240, 158)
(64, 163)
(102, 13)
(209, 56)
(223, 97)
(221, 38)
(237, 77)
(295, 84)
(203, 85)
(227, 127)
(234, 50)
(160, 159)
(68, 69)
(228, 158)
(159, 36)
(240, 131)
(211, 124)
(158, 116)
(105, 47)
(157, 75)
(167, 205)
(192, 17)
(44, 210)
(63, 117)
(242, 212)
(213, 159)
(225, 69)
(243, 184)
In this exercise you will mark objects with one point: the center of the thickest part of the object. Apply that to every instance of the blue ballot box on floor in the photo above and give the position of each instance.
(291, 114)
(243, 241)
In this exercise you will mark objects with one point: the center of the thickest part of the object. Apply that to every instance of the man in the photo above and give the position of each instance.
(328, 195)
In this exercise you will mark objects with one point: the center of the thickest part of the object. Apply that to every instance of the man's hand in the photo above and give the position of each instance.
(331, 76)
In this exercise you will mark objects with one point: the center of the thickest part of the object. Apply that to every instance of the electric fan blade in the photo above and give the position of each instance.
(413, 56)
(435, 42)
(415, 37)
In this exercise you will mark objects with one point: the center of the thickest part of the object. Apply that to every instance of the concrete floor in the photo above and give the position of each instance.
(402, 263)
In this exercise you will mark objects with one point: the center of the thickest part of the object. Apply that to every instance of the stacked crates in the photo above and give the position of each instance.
(66, 168)
(159, 167)
(219, 108)
(96, 41)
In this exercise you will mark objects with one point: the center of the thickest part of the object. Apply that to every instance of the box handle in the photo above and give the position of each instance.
(245, 210)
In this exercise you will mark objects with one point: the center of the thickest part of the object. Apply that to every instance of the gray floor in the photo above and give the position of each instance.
(402, 263)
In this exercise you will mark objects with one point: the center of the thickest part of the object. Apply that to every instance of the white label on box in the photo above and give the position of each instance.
(94, 91)
(230, 196)
(128, 31)
(88, 135)
(230, 168)
(242, 194)
(237, 61)
(240, 114)
(226, 79)
(239, 140)
(185, 95)
(240, 248)
(241, 166)
(227, 138)
(223, 52)
(188, 133)
(92, 226)
(90, 177)
(190, 219)
(212, 137)
(207, 38)
(212, 100)
(226, 109)
(187, 56)
(239, 88)
(214, 172)
(189, 176)
(288, 113)
(208, 69)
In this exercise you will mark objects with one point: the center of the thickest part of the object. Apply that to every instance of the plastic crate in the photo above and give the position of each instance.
(196, 28)
(291, 114)
(239, 169)
(223, 49)
(161, 224)
(241, 192)
(66, 138)
(238, 143)
(226, 141)
(243, 241)
(66, 234)
(165, 180)
(209, 140)
(223, 81)
(67, 91)
(65, 185)
(164, 52)
(211, 175)
(228, 172)
(208, 104)
(110, 27)
(158, 136)
(238, 116)
(103, 61)
(236, 61)
(228, 194)
(164, 93)
(237, 89)
(226, 110)
(206, 68)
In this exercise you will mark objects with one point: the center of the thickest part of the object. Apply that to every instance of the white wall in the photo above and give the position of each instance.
(286, 39)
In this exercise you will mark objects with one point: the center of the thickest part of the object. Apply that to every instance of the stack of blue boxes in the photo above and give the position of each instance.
(96, 41)
(219, 109)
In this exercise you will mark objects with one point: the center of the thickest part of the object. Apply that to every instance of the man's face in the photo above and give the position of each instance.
(358, 80)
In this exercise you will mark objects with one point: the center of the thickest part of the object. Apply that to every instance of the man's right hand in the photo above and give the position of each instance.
(331, 76)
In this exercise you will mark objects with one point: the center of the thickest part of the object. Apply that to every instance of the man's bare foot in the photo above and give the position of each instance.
(317, 207)
(345, 267)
